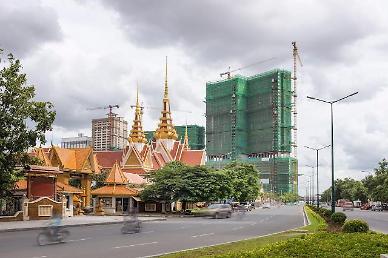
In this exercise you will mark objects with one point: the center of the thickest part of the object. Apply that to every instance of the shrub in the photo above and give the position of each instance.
(338, 218)
(326, 213)
(355, 225)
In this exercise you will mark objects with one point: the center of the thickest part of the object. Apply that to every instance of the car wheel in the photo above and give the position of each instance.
(217, 216)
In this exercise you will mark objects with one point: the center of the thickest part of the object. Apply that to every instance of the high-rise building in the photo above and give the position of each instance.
(249, 119)
(81, 141)
(196, 135)
(107, 137)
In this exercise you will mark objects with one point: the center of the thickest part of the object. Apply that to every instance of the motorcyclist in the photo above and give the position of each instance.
(55, 224)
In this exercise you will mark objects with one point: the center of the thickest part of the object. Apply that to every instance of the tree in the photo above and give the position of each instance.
(348, 189)
(245, 181)
(23, 122)
(377, 185)
(289, 197)
(176, 181)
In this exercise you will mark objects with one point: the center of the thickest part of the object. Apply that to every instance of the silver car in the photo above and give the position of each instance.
(219, 210)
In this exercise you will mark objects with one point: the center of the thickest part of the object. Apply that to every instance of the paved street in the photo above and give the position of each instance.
(156, 237)
(377, 221)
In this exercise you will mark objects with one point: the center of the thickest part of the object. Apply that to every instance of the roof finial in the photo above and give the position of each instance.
(186, 140)
(165, 83)
(137, 94)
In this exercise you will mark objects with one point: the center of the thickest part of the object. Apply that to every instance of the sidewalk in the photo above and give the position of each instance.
(70, 222)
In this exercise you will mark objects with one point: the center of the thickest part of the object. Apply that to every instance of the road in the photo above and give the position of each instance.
(157, 237)
(378, 221)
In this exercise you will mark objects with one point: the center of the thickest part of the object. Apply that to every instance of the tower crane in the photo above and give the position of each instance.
(244, 67)
(110, 117)
(296, 59)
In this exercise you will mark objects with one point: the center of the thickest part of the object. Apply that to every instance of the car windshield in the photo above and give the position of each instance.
(214, 206)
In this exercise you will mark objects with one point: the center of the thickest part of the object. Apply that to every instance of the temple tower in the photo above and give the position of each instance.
(137, 136)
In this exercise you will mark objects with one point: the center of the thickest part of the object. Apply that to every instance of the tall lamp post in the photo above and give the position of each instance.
(317, 150)
(312, 182)
(332, 143)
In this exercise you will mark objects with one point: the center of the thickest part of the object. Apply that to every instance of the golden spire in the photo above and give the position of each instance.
(165, 128)
(137, 134)
(186, 140)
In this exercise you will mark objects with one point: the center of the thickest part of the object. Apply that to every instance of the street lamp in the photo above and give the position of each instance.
(317, 150)
(332, 143)
(312, 181)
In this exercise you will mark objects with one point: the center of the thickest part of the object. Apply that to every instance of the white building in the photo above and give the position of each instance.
(106, 137)
(81, 141)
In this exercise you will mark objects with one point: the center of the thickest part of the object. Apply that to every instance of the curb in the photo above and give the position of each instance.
(75, 225)
(305, 217)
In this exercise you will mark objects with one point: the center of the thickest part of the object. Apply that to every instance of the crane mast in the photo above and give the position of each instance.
(296, 59)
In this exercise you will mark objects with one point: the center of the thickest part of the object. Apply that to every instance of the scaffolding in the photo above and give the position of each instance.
(250, 117)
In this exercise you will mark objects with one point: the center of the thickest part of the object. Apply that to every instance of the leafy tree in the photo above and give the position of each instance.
(289, 197)
(377, 185)
(23, 122)
(347, 188)
(245, 181)
(176, 181)
(99, 179)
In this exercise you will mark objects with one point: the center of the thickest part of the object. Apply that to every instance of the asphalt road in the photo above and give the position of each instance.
(157, 237)
(377, 220)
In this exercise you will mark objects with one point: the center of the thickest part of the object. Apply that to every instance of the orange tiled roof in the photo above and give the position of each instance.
(138, 171)
(64, 188)
(192, 157)
(21, 185)
(135, 179)
(116, 176)
(107, 159)
(118, 190)
(81, 156)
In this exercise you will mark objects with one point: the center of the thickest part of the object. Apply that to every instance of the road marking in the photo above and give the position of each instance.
(208, 234)
(43, 256)
(81, 239)
(147, 232)
(252, 224)
(237, 228)
(123, 246)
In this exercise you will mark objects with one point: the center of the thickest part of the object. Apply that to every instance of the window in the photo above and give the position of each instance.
(150, 207)
(45, 210)
(107, 201)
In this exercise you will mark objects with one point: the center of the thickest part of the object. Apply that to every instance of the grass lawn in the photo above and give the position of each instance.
(241, 246)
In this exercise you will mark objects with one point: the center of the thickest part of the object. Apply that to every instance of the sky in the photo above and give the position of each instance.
(87, 54)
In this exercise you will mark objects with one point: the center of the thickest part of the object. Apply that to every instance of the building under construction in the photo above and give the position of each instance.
(250, 119)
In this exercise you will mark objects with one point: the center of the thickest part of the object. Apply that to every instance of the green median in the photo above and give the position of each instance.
(312, 240)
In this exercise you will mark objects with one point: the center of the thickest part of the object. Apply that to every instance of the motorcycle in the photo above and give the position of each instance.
(52, 236)
(131, 225)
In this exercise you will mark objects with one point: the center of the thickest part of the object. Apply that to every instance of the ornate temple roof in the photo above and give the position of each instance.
(166, 128)
(137, 134)
(116, 176)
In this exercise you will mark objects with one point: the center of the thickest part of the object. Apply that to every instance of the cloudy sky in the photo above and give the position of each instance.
(85, 54)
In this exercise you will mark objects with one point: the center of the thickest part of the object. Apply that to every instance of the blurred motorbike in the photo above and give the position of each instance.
(52, 235)
(131, 224)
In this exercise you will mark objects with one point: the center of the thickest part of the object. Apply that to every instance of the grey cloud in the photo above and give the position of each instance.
(24, 28)
(222, 31)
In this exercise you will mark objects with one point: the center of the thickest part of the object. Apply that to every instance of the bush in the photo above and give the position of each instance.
(355, 225)
(338, 218)
(326, 213)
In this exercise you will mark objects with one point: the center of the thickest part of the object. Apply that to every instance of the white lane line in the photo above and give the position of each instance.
(81, 239)
(123, 246)
(147, 232)
(43, 256)
(252, 224)
(208, 234)
(237, 228)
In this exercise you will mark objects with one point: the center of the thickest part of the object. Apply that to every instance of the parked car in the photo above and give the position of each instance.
(377, 207)
(347, 206)
(365, 206)
(247, 206)
(266, 206)
(219, 210)
(384, 206)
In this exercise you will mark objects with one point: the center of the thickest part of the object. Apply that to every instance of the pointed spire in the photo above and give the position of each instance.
(186, 140)
(137, 134)
(166, 128)
(165, 83)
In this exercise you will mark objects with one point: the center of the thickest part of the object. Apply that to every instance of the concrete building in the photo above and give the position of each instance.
(81, 141)
(249, 119)
(107, 137)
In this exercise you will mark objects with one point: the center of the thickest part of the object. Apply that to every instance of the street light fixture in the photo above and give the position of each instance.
(312, 181)
(332, 143)
(317, 150)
